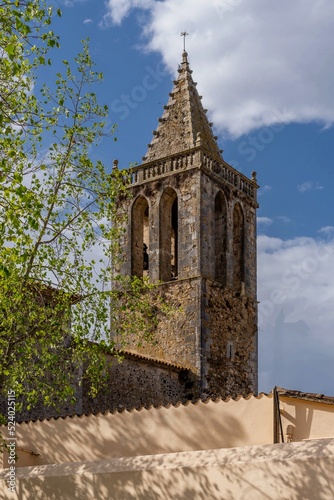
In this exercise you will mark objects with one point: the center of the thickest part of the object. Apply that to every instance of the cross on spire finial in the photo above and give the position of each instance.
(184, 34)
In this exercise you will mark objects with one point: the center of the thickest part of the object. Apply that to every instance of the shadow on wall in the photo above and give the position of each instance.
(133, 433)
(256, 475)
(301, 422)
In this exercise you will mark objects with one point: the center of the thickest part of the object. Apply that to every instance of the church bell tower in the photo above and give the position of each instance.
(192, 227)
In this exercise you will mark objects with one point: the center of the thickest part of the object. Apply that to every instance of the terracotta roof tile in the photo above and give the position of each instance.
(307, 396)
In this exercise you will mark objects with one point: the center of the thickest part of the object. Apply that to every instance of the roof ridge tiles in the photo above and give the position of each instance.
(320, 398)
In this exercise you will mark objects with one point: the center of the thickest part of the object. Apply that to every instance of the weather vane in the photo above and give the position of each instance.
(184, 34)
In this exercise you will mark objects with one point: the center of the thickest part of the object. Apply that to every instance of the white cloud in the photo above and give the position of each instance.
(117, 10)
(306, 186)
(309, 186)
(70, 3)
(87, 21)
(265, 221)
(327, 230)
(296, 314)
(264, 62)
(266, 188)
(284, 218)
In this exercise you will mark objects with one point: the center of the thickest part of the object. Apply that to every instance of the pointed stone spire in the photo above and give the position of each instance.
(184, 124)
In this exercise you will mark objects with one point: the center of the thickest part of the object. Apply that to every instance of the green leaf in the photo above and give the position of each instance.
(10, 49)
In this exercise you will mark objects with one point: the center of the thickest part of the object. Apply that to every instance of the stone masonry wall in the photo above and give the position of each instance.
(210, 185)
(135, 383)
(186, 186)
(176, 337)
(211, 330)
(229, 344)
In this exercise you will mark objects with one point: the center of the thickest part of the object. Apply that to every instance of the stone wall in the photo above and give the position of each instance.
(211, 185)
(39, 411)
(184, 185)
(175, 338)
(212, 331)
(137, 382)
(133, 382)
(229, 342)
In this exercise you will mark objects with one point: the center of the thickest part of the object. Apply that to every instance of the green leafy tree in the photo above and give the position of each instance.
(60, 219)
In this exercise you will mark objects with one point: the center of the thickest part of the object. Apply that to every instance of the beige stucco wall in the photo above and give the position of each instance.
(200, 426)
(310, 419)
(190, 427)
(219, 449)
(283, 471)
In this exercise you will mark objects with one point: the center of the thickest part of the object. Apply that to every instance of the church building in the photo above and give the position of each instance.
(191, 226)
(187, 432)
(191, 230)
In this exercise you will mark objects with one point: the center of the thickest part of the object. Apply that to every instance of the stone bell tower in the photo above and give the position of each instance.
(192, 226)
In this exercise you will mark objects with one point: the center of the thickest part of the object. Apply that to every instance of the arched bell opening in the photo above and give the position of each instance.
(140, 238)
(238, 248)
(220, 238)
(169, 235)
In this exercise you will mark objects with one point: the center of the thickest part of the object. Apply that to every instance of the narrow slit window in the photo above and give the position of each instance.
(230, 350)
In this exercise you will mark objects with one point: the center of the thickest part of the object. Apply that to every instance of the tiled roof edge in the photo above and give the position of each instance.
(289, 393)
(129, 354)
(307, 396)
(155, 407)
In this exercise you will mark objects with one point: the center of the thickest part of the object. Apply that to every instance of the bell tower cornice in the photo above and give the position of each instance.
(197, 158)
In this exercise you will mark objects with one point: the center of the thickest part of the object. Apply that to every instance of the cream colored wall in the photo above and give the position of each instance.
(290, 471)
(310, 420)
(201, 426)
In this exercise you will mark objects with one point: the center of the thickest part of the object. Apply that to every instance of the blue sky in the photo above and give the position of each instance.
(266, 73)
